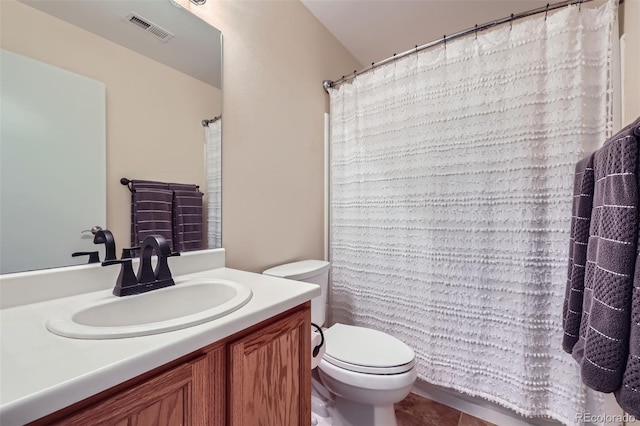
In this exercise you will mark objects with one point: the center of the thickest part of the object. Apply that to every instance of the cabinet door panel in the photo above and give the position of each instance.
(169, 410)
(270, 375)
(166, 399)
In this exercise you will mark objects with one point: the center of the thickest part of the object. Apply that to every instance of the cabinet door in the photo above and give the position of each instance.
(270, 374)
(173, 398)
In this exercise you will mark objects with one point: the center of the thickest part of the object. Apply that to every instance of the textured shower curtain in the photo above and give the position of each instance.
(213, 153)
(452, 173)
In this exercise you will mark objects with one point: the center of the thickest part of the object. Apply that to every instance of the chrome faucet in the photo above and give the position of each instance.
(147, 278)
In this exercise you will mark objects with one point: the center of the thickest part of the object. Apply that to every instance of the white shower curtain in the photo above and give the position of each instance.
(213, 134)
(452, 173)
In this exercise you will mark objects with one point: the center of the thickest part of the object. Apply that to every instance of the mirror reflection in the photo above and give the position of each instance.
(93, 92)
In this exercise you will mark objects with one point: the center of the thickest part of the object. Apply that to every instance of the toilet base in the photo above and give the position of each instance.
(321, 402)
(320, 421)
(350, 413)
(320, 407)
(365, 399)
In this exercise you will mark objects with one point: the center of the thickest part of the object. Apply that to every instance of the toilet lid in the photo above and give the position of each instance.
(366, 350)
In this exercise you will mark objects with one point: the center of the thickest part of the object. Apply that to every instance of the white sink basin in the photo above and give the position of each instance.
(184, 305)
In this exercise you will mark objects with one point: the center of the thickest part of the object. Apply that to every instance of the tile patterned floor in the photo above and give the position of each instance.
(415, 410)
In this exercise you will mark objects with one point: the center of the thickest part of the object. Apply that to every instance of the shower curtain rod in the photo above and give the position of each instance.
(205, 123)
(330, 83)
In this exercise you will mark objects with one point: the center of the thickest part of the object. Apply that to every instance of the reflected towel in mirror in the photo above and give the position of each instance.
(187, 219)
(173, 210)
(151, 212)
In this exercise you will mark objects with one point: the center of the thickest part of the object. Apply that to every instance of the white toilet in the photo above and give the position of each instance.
(366, 371)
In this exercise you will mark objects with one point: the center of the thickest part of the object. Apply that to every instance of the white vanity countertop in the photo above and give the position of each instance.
(41, 372)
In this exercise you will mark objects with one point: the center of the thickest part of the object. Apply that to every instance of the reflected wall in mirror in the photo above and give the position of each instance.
(159, 84)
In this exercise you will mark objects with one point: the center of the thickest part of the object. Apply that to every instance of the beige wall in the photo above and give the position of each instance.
(276, 55)
(631, 28)
(153, 111)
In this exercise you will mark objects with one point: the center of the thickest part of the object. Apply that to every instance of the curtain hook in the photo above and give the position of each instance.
(476, 31)
(511, 23)
(444, 40)
(580, 6)
(546, 11)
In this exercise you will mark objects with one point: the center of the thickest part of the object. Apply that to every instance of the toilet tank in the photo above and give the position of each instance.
(308, 271)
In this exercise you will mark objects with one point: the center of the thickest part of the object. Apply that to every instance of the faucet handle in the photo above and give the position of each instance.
(127, 253)
(94, 256)
(94, 230)
(115, 262)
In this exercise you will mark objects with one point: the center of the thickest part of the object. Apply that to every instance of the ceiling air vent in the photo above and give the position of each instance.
(148, 26)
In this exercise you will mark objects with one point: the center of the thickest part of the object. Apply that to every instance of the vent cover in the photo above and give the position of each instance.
(146, 25)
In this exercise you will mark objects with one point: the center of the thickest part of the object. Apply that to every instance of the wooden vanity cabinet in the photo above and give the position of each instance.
(260, 376)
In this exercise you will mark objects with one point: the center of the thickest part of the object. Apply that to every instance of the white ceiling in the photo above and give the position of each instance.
(195, 48)
(373, 30)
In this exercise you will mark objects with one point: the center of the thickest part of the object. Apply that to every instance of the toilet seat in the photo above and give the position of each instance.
(372, 382)
(364, 350)
(397, 369)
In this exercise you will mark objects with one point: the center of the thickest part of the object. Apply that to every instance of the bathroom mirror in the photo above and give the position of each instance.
(137, 80)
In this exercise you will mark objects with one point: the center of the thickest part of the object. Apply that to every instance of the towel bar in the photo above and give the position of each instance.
(126, 182)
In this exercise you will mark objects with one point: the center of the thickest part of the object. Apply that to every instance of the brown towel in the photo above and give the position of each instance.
(183, 187)
(187, 220)
(603, 343)
(151, 213)
(580, 221)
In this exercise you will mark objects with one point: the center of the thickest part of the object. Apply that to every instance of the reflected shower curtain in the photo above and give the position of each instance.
(452, 173)
(213, 150)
